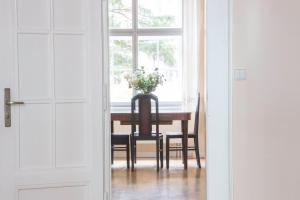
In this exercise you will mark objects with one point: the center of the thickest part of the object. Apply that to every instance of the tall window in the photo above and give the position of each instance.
(146, 33)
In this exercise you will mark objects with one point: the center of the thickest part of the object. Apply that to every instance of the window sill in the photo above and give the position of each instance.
(163, 106)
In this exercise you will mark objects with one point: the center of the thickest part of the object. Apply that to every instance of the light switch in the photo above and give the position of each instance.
(240, 74)
(243, 74)
(236, 74)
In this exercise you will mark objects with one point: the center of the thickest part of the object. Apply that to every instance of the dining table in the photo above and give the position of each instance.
(165, 118)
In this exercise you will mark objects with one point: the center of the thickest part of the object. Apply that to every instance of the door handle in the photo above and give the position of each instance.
(15, 103)
(7, 107)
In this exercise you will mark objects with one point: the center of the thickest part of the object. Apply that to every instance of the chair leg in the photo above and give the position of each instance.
(161, 153)
(127, 155)
(196, 143)
(157, 154)
(182, 153)
(132, 152)
(135, 152)
(167, 151)
(112, 154)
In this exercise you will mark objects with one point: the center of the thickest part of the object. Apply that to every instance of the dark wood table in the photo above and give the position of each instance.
(166, 118)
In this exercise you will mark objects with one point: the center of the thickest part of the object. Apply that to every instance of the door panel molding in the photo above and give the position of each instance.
(54, 146)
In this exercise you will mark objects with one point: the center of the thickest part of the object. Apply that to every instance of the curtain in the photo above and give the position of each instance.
(194, 61)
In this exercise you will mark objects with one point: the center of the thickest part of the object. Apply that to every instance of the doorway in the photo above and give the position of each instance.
(218, 83)
(44, 172)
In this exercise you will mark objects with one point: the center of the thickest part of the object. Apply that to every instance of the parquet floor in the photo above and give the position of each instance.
(145, 183)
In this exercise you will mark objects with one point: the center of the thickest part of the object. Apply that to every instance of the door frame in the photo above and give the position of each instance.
(106, 102)
(218, 100)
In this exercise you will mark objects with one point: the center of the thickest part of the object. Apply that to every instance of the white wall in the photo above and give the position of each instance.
(266, 116)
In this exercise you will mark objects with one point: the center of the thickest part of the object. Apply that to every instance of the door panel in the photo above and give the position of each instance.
(34, 59)
(50, 148)
(70, 123)
(35, 136)
(31, 19)
(69, 15)
(53, 78)
(68, 193)
(70, 65)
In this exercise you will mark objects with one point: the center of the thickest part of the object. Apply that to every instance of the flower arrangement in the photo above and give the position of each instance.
(144, 82)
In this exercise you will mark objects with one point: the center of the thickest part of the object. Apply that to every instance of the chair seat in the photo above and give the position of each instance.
(120, 133)
(120, 138)
(147, 137)
(120, 141)
(178, 135)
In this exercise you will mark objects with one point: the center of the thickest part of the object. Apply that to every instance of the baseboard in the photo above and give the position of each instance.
(152, 155)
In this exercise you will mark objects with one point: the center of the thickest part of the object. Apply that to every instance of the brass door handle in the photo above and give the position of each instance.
(7, 107)
(15, 103)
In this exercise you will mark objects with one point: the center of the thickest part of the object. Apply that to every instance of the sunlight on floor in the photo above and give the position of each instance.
(145, 183)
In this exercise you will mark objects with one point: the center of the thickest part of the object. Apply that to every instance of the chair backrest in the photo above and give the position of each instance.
(196, 122)
(145, 115)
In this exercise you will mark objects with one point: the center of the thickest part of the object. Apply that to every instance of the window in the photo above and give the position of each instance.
(146, 33)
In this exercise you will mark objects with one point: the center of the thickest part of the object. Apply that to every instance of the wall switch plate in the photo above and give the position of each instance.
(240, 74)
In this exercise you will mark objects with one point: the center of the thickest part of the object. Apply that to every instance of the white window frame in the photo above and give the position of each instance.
(135, 32)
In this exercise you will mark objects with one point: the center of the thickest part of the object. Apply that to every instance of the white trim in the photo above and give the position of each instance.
(218, 65)
(146, 154)
(146, 32)
(97, 51)
(230, 75)
(163, 106)
(106, 143)
(134, 35)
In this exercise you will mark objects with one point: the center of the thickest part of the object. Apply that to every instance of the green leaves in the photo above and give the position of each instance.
(143, 82)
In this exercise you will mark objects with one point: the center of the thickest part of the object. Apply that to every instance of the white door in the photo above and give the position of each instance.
(51, 59)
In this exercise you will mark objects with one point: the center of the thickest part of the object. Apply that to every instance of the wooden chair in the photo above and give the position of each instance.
(143, 118)
(178, 135)
(120, 142)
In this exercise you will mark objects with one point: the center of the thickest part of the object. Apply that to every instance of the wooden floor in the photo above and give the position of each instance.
(145, 183)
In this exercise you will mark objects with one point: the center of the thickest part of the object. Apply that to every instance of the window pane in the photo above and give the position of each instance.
(120, 64)
(164, 53)
(120, 14)
(160, 13)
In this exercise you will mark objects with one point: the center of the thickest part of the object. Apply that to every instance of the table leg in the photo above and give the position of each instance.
(111, 141)
(184, 129)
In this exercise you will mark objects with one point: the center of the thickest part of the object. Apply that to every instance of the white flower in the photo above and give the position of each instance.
(144, 82)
